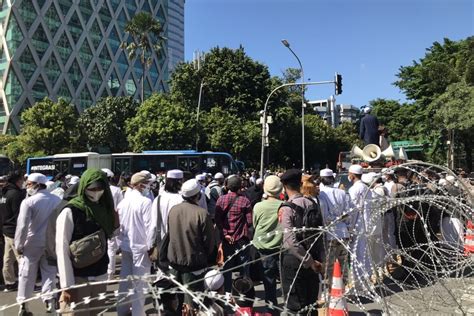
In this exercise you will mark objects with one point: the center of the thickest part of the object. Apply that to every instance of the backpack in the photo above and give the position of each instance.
(310, 217)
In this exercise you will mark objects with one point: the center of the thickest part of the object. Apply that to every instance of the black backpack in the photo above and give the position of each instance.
(310, 217)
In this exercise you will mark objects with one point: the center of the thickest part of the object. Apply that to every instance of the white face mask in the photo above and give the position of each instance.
(94, 196)
(31, 191)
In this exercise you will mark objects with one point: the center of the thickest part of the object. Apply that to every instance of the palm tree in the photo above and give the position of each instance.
(143, 28)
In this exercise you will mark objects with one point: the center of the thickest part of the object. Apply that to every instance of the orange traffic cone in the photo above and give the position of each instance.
(469, 240)
(337, 301)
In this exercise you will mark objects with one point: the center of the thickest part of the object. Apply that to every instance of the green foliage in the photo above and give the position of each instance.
(51, 127)
(5, 140)
(145, 34)
(161, 125)
(48, 128)
(104, 123)
(232, 81)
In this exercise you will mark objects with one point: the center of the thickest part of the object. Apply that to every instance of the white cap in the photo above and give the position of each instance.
(108, 172)
(356, 169)
(451, 179)
(368, 178)
(442, 182)
(49, 185)
(200, 177)
(326, 173)
(174, 174)
(367, 109)
(259, 181)
(38, 178)
(190, 188)
(74, 180)
(218, 176)
(214, 280)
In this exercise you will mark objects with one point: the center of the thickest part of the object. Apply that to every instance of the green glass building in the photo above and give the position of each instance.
(71, 49)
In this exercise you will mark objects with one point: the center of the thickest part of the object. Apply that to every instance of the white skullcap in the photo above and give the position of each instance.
(190, 188)
(367, 109)
(145, 172)
(67, 177)
(368, 178)
(218, 176)
(152, 178)
(74, 180)
(108, 172)
(326, 173)
(214, 280)
(356, 169)
(49, 185)
(38, 178)
(442, 182)
(259, 181)
(450, 179)
(174, 174)
(200, 177)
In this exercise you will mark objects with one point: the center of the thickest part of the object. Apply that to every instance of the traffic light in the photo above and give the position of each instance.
(338, 83)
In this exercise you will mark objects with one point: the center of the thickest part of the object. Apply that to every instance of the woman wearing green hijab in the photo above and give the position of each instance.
(91, 210)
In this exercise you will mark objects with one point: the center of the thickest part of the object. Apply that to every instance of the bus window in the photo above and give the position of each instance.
(164, 163)
(78, 165)
(122, 164)
(62, 165)
(191, 164)
(45, 166)
(145, 162)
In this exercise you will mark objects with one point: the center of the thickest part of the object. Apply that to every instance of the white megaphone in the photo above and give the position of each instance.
(388, 153)
(402, 154)
(371, 153)
(357, 152)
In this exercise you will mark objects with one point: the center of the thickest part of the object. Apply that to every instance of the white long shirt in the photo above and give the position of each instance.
(363, 199)
(336, 203)
(136, 226)
(33, 220)
(167, 201)
(117, 195)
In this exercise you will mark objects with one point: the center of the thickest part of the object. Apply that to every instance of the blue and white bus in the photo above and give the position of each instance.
(157, 161)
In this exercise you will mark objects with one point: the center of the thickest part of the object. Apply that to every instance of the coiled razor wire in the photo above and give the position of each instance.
(432, 274)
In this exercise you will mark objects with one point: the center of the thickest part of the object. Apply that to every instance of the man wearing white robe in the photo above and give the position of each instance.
(360, 260)
(30, 241)
(137, 233)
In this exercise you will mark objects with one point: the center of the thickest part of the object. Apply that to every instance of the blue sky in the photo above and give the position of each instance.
(364, 40)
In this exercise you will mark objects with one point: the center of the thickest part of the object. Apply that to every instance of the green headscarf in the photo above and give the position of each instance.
(102, 212)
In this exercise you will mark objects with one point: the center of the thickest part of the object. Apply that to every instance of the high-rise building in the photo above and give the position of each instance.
(71, 49)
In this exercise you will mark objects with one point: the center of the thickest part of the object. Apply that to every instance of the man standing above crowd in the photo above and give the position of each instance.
(30, 241)
(213, 192)
(137, 232)
(234, 219)
(369, 128)
(12, 195)
(299, 265)
(335, 208)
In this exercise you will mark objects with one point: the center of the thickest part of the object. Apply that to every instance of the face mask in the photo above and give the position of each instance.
(145, 190)
(94, 196)
(32, 191)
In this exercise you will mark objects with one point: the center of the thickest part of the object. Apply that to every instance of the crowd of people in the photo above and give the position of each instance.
(286, 227)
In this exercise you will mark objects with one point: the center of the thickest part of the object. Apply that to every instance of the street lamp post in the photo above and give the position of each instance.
(265, 116)
(287, 45)
(197, 114)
